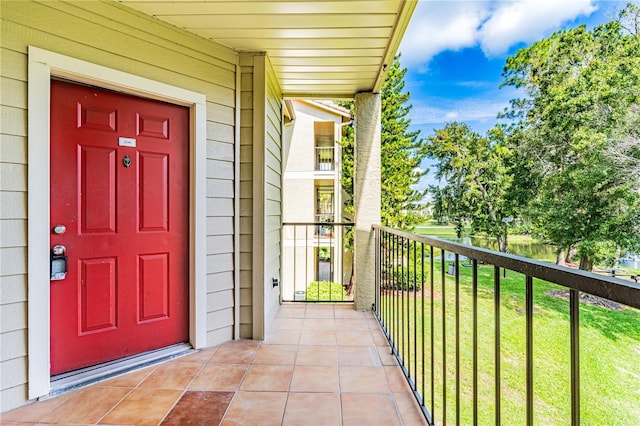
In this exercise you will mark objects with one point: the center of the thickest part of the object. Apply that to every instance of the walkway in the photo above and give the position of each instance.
(319, 365)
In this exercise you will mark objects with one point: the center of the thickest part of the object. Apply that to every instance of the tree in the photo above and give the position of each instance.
(475, 179)
(580, 86)
(401, 155)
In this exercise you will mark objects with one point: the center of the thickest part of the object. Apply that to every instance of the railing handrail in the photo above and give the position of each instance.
(615, 289)
(317, 223)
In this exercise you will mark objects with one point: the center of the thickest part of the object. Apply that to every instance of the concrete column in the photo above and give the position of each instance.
(366, 193)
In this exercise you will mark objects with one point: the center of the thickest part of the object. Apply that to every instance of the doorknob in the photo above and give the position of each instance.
(58, 250)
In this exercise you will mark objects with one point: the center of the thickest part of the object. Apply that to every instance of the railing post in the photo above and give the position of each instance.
(529, 349)
(378, 294)
(474, 291)
(574, 312)
(496, 307)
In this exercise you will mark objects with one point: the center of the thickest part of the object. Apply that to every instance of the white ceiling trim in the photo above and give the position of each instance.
(318, 48)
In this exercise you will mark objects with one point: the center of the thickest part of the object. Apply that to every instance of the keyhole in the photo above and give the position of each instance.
(126, 161)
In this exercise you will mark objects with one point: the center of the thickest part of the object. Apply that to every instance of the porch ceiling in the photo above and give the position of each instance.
(319, 49)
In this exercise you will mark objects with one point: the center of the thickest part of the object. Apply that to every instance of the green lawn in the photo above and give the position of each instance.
(325, 291)
(609, 343)
(442, 231)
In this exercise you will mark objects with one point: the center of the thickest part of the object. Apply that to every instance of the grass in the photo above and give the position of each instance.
(441, 231)
(325, 291)
(609, 343)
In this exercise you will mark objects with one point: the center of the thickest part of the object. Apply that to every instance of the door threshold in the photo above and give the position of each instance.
(64, 382)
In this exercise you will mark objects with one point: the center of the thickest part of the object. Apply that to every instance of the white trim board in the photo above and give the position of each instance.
(43, 65)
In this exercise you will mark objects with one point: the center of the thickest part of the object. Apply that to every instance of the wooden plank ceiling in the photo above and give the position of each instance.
(319, 48)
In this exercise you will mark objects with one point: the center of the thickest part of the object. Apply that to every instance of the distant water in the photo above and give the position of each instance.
(630, 263)
(538, 251)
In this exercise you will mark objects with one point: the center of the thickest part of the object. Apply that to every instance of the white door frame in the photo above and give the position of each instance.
(43, 65)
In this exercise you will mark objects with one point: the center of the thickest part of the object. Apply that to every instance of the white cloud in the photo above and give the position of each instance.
(437, 26)
(527, 21)
(495, 26)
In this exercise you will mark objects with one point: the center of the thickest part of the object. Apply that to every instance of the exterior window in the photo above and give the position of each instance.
(324, 204)
(324, 145)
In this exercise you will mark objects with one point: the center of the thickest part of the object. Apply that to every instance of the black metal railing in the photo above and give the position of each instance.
(469, 327)
(324, 158)
(317, 262)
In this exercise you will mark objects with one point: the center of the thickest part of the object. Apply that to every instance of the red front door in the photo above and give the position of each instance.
(119, 185)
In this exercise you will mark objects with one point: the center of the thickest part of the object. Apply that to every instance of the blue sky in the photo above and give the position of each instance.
(455, 51)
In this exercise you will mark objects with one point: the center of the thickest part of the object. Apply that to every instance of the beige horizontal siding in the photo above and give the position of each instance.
(214, 281)
(112, 35)
(273, 192)
(12, 289)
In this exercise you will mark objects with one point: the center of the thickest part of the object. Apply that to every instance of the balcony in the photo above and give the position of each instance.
(318, 365)
(325, 158)
(438, 347)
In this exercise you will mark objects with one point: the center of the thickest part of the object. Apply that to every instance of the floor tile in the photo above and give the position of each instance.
(287, 324)
(358, 356)
(410, 412)
(143, 407)
(312, 409)
(199, 408)
(276, 354)
(351, 324)
(319, 312)
(307, 378)
(378, 337)
(267, 378)
(219, 377)
(201, 356)
(372, 323)
(363, 379)
(235, 352)
(386, 357)
(172, 376)
(354, 337)
(283, 337)
(87, 405)
(368, 409)
(317, 355)
(256, 408)
(129, 380)
(352, 313)
(319, 324)
(36, 411)
(318, 337)
(397, 381)
(287, 311)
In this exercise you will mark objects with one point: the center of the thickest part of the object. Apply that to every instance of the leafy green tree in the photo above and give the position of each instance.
(474, 175)
(401, 155)
(580, 86)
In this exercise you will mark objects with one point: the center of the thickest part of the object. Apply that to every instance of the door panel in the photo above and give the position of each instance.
(97, 196)
(126, 289)
(153, 204)
(153, 286)
(94, 117)
(97, 302)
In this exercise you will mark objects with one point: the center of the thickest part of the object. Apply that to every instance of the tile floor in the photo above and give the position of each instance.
(318, 365)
